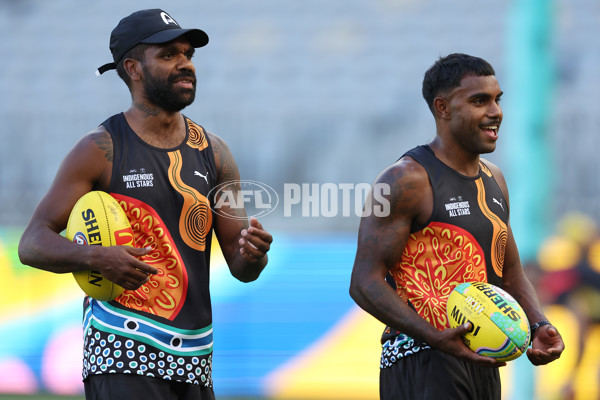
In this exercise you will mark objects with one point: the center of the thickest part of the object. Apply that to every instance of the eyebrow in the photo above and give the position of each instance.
(484, 95)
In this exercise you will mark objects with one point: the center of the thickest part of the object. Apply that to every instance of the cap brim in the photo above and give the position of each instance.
(196, 37)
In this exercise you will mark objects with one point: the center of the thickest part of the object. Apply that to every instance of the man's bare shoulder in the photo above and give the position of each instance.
(405, 171)
(497, 174)
(90, 160)
(100, 138)
(410, 190)
(213, 137)
(495, 170)
(219, 145)
(227, 169)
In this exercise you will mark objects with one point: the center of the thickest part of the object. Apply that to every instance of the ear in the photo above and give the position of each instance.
(133, 68)
(441, 107)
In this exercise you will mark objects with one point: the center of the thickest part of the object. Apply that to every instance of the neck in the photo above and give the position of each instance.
(455, 157)
(156, 126)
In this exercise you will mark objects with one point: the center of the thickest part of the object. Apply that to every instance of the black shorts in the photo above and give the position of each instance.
(432, 374)
(131, 387)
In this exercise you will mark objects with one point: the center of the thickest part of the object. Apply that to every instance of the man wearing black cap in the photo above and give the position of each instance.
(154, 341)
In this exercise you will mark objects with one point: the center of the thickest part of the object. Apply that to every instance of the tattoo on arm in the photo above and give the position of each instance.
(227, 172)
(228, 169)
(104, 142)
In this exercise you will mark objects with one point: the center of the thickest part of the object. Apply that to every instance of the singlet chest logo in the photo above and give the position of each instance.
(138, 179)
(457, 207)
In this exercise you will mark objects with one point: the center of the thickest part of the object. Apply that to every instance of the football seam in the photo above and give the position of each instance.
(105, 212)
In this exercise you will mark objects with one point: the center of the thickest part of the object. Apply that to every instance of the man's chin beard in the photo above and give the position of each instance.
(165, 96)
(172, 103)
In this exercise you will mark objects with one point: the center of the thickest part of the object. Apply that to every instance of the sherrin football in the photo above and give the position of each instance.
(499, 326)
(98, 219)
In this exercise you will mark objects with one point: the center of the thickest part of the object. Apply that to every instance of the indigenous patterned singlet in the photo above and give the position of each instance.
(463, 241)
(164, 328)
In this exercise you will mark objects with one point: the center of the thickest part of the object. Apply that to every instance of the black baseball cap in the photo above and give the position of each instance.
(152, 26)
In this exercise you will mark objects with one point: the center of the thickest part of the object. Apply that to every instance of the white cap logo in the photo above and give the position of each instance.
(167, 18)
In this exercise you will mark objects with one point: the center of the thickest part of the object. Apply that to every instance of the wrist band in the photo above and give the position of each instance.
(534, 327)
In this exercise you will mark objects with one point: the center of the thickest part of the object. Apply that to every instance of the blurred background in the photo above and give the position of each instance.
(313, 92)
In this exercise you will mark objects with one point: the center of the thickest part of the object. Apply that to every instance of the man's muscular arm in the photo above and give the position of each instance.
(87, 165)
(381, 241)
(547, 344)
(244, 244)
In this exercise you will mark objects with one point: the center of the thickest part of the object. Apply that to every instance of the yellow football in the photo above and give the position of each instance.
(499, 326)
(98, 219)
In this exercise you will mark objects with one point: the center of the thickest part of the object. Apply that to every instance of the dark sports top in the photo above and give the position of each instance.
(464, 240)
(164, 328)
